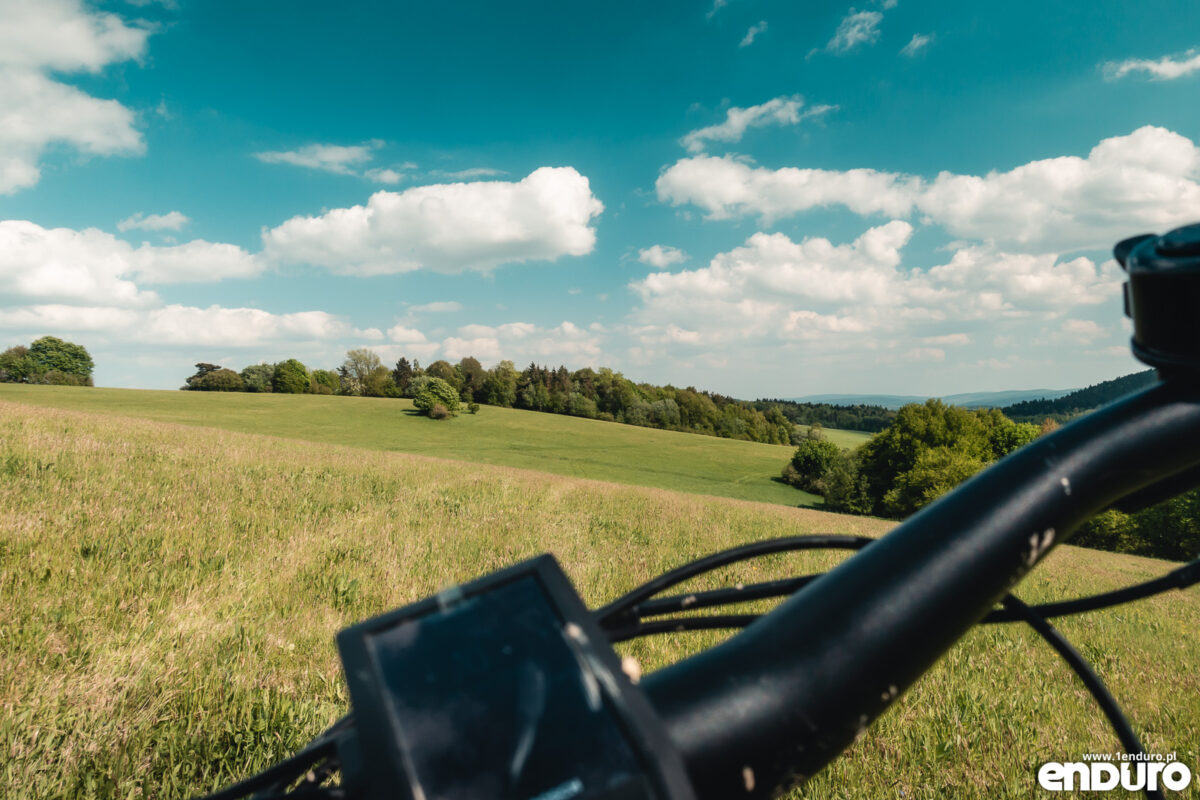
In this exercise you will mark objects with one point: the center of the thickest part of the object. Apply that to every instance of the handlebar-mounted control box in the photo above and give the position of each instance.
(502, 688)
(1162, 297)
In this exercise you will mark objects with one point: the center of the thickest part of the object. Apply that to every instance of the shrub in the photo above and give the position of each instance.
(323, 381)
(435, 391)
(438, 411)
(473, 408)
(810, 462)
(56, 377)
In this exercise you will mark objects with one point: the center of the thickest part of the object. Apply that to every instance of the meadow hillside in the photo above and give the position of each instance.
(169, 597)
(554, 443)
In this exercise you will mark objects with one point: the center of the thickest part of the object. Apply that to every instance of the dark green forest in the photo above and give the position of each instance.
(871, 419)
(1080, 400)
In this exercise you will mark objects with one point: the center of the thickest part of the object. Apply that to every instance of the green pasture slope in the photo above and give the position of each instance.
(505, 437)
(169, 597)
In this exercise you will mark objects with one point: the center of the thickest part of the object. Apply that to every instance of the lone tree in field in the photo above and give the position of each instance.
(436, 398)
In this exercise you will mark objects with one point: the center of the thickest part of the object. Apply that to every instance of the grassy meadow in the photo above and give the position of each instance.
(169, 597)
(508, 437)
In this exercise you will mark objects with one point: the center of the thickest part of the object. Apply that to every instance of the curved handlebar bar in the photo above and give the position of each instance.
(781, 699)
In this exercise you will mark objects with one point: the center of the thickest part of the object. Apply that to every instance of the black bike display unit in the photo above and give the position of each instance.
(508, 687)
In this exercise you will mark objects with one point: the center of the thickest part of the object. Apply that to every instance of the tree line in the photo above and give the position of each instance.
(48, 360)
(931, 448)
(590, 393)
(858, 417)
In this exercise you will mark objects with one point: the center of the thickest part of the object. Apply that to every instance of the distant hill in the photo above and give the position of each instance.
(970, 399)
(1080, 400)
(874, 412)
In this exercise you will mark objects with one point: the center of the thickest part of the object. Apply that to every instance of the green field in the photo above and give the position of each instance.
(169, 596)
(562, 445)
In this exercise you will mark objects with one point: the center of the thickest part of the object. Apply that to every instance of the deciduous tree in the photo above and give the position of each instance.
(291, 377)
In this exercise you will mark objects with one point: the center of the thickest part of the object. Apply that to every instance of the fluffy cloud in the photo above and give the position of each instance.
(753, 33)
(64, 36)
(857, 28)
(858, 295)
(171, 221)
(388, 176)
(405, 335)
(93, 267)
(728, 187)
(523, 342)
(661, 256)
(1147, 180)
(184, 325)
(448, 228)
(1164, 69)
(777, 111)
(36, 111)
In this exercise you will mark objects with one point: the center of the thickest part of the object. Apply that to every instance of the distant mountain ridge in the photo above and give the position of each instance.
(969, 399)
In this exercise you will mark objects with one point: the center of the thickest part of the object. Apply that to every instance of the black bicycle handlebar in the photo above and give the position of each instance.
(781, 699)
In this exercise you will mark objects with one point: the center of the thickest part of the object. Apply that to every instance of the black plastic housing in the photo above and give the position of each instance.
(1163, 297)
(501, 689)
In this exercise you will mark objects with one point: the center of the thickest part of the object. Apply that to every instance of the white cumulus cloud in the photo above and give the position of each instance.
(64, 36)
(447, 228)
(37, 112)
(1164, 69)
(523, 342)
(94, 267)
(727, 187)
(859, 295)
(777, 111)
(179, 325)
(1147, 179)
(661, 256)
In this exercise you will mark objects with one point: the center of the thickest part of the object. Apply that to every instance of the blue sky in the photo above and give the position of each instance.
(759, 198)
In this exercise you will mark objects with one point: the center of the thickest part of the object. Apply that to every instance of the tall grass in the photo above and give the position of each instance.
(169, 597)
